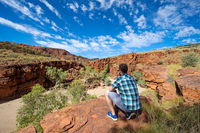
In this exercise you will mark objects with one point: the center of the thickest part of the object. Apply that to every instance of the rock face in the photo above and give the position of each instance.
(29, 129)
(131, 59)
(156, 78)
(88, 117)
(18, 79)
(188, 85)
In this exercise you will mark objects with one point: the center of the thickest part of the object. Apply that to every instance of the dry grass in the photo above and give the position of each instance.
(8, 57)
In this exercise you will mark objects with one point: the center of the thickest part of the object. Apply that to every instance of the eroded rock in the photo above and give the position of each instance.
(88, 117)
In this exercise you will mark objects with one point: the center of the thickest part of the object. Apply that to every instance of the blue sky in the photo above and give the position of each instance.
(101, 28)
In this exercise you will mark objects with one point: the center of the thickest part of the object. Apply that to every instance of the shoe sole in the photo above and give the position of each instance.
(112, 118)
(132, 114)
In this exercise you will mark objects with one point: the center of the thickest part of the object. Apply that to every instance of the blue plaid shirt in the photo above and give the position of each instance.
(128, 91)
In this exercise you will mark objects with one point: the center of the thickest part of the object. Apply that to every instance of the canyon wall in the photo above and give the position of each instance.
(16, 80)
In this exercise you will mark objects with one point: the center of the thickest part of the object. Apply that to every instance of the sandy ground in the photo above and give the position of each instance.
(8, 112)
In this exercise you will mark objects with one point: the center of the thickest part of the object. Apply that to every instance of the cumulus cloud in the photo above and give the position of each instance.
(51, 8)
(187, 31)
(24, 28)
(144, 39)
(141, 22)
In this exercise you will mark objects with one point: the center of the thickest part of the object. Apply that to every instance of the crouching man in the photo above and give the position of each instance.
(128, 98)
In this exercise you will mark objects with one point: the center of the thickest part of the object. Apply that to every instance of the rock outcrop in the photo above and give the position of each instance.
(18, 79)
(89, 117)
(188, 85)
(156, 78)
(131, 59)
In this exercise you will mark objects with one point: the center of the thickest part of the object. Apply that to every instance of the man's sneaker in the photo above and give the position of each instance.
(114, 117)
(129, 115)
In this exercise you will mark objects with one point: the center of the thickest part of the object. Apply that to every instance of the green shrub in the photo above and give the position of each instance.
(190, 59)
(77, 91)
(105, 73)
(137, 74)
(139, 78)
(160, 63)
(57, 75)
(36, 104)
(108, 81)
(88, 97)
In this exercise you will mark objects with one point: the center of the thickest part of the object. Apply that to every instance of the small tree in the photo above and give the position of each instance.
(57, 75)
(190, 59)
(77, 91)
(36, 104)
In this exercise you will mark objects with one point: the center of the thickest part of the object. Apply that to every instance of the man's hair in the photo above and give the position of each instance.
(123, 68)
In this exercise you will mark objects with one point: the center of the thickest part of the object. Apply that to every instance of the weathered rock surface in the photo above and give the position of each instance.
(188, 85)
(29, 129)
(88, 117)
(131, 59)
(156, 78)
(18, 79)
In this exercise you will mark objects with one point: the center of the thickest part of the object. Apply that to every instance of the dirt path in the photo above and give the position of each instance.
(8, 112)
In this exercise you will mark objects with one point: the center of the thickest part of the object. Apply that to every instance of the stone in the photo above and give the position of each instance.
(88, 117)
(189, 87)
(29, 129)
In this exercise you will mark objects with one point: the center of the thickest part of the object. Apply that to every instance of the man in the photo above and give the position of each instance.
(128, 98)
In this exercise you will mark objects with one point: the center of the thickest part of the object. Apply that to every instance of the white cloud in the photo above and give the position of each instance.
(24, 28)
(187, 31)
(83, 46)
(106, 4)
(38, 10)
(167, 16)
(62, 45)
(132, 39)
(21, 8)
(76, 19)
(141, 22)
(122, 19)
(73, 6)
(51, 8)
(189, 41)
(84, 8)
(91, 15)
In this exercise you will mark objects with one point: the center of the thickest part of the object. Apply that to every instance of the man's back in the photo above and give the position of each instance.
(128, 91)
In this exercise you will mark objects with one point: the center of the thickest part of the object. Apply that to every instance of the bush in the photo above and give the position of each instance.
(108, 81)
(57, 75)
(76, 90)
(160, 63)
(104, 73)
(36, 104)
(139, 78)
(190, 59)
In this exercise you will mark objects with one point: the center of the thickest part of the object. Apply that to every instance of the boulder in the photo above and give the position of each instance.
(156, 78)
(189, 87)
(88, 117)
